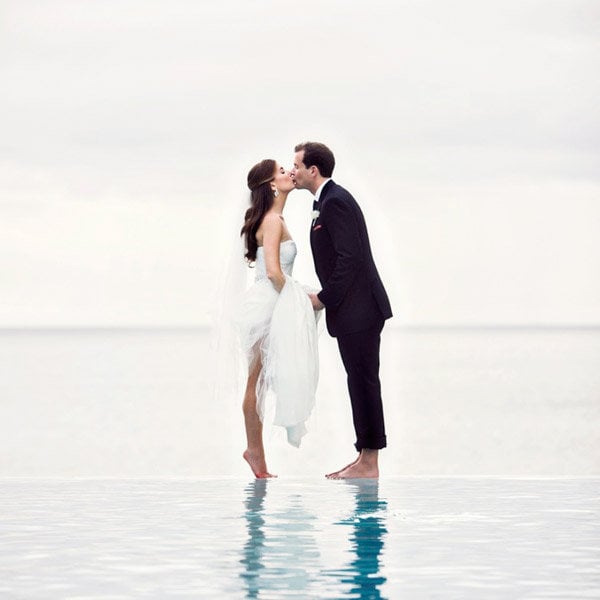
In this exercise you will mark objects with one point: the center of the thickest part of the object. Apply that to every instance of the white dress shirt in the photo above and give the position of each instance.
(320, 189)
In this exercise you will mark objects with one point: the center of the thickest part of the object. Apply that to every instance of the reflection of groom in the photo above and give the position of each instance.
(356, 304)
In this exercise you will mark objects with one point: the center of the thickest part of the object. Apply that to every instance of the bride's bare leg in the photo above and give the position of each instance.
(255, 452)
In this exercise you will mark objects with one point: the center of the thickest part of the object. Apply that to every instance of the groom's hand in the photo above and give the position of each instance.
(316, 303)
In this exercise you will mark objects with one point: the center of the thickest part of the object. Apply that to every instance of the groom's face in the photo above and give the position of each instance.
(299, 172)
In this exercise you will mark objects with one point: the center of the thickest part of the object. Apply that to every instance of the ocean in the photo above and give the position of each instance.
(458, 402)
(121, 476)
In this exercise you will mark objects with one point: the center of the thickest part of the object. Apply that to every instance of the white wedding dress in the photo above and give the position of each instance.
(281, 330)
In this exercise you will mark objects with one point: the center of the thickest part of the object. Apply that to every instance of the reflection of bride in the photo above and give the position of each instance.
(280, 557)
(275, 321)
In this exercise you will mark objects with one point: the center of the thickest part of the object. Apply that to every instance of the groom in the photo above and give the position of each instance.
(355, 302)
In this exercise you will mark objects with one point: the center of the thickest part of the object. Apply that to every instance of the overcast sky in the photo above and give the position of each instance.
(468, 131)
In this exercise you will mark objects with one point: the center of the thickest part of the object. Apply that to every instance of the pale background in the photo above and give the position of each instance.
(467, 130)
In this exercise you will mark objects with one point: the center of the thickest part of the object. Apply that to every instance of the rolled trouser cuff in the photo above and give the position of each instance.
(371, 443)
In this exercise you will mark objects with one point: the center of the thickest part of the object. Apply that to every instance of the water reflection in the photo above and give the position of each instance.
(280, 552)
(366, 536)
(254, 546)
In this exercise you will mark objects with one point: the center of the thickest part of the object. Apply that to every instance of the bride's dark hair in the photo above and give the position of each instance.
(261, 201)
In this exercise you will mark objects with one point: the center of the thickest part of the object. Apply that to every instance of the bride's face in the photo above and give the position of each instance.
(283, 179)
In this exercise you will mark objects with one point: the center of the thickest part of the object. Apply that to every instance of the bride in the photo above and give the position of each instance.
(276, 322)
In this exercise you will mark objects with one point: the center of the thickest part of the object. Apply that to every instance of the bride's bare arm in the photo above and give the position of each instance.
(272, 228)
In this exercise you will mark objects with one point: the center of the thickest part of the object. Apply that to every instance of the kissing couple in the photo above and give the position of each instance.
(277, 316)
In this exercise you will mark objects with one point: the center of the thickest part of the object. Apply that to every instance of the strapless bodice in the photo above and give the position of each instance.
(287, 255)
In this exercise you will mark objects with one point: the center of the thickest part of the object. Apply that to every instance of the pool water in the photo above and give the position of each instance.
(300, 538)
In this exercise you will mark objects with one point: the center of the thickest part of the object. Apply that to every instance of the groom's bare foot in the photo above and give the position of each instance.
(357, 471)
(332, 475)
(257, 464)
(366, 466)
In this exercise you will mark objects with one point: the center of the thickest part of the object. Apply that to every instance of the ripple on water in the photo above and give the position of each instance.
(417, 538)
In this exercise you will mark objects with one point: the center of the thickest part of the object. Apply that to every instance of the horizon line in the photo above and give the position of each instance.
(206, 326)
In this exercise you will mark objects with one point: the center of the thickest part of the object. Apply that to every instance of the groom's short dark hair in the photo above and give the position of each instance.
(318, 155)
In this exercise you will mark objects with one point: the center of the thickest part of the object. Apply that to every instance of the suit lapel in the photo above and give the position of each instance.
(319, 204)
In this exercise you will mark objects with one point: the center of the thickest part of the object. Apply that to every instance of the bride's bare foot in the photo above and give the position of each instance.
(332, 475)
(366, 466)
(257, 464)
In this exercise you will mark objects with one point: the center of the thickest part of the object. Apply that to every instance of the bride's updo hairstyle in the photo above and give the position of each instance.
(261, 201)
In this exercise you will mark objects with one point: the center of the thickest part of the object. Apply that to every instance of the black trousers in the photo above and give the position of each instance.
(360, 355)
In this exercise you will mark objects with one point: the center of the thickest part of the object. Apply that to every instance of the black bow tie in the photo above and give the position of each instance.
(315, 205)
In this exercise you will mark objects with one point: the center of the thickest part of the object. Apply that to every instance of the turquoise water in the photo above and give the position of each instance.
(299, 538)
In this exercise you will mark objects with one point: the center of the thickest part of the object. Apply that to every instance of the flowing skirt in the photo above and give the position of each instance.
(280, 331)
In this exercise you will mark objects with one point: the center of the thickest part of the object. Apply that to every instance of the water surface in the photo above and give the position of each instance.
(137, 403)
(300, 538)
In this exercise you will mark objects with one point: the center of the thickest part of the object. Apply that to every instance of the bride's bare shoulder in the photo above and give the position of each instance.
(272, 222)
(271, 225)
(273, 218)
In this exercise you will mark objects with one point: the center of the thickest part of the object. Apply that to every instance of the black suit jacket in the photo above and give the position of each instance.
(352, 291)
